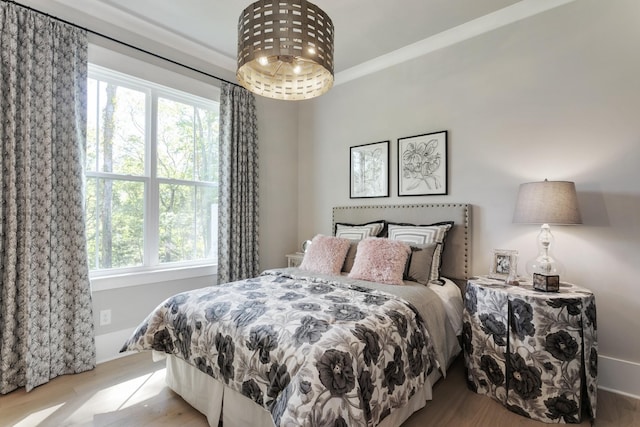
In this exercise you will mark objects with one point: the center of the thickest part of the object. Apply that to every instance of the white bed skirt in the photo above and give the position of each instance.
(219, 402)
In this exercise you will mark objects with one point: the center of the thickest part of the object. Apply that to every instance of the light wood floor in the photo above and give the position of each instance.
(131, 392)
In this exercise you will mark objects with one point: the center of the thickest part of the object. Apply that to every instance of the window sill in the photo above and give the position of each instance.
(125, 280)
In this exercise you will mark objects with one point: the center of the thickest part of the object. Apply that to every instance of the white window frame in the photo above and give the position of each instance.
(152, 271)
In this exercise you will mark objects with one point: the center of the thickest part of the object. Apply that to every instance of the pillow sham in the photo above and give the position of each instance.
(325, 254)
(359, 231)
(424, 234)
(380, 260)
(419, 263)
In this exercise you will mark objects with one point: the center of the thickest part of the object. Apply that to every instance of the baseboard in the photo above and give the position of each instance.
(109, 345)
(619, 376)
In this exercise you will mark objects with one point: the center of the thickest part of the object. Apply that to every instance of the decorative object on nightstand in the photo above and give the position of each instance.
(536, 353)
(546, 202)
(305, 245)
(543, 282)
(294, 260)
(504, 265)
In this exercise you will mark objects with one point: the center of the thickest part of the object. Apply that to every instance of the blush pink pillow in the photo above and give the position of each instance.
(380, 260)
(325, 254)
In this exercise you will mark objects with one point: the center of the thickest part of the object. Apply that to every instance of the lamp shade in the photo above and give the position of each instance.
(285, 49)
(547, 202)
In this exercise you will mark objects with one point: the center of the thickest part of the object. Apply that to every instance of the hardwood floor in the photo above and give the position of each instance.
(131, 392)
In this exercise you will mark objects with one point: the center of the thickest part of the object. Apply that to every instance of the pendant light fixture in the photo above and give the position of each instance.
(285, 49)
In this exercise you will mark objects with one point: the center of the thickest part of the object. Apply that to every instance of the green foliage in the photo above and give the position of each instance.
(187, 171)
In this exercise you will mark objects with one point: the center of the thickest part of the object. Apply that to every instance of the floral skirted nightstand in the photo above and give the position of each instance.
(535, 352)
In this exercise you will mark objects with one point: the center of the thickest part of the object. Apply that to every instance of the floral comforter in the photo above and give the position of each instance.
(311, 351)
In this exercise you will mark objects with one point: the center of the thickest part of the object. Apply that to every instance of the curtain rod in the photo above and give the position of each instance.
(139, 49)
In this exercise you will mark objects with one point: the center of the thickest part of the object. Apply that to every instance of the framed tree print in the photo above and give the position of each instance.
(369, 170)
(422, 164)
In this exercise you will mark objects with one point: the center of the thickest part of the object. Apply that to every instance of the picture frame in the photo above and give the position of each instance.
(422, 165)
(503, 262)
(369, 170)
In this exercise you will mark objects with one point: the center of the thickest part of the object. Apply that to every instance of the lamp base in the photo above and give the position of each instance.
(546, 282)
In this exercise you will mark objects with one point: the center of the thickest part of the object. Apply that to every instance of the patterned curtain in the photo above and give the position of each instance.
(46, 320)
(238, 193)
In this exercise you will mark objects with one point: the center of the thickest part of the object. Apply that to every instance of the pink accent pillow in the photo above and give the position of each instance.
(326, 254)
(380, 260)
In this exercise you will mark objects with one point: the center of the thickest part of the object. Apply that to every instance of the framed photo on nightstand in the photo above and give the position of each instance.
(503, 261)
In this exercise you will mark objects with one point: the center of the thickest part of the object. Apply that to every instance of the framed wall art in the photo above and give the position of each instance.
(422, 164)
(369, 170)
(503, 262)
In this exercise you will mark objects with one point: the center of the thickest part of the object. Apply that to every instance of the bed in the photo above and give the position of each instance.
(301, 347)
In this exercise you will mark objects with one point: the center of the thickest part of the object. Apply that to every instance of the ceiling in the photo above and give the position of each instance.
(365, 30)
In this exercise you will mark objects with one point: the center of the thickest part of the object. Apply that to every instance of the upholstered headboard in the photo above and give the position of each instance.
(456, 260)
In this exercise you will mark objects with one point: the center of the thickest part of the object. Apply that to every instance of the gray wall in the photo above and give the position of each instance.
(555, 96)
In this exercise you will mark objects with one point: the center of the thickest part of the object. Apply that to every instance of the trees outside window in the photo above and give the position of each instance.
(152, 174)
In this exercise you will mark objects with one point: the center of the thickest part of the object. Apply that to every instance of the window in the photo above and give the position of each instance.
(152, 173)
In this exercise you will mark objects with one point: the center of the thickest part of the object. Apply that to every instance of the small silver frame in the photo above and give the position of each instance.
(503, 262)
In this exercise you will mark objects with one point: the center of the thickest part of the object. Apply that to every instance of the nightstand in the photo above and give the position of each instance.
(535, 352)
(294, 260)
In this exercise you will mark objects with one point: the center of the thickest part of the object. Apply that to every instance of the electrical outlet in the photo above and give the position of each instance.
(105, 317)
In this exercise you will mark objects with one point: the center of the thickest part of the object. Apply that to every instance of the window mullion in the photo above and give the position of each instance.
(152, 208)
(131, 176)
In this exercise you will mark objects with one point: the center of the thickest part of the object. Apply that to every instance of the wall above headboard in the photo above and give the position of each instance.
(456, 260)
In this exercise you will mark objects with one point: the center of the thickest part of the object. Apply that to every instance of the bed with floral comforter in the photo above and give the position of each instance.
(311, 350)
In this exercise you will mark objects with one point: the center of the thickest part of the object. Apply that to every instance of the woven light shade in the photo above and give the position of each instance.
(285, 49)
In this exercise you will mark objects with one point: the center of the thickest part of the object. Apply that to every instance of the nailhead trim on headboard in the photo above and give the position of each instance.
(461, 212)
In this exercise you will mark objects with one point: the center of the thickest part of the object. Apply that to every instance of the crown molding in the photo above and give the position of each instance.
(500, 18)
(109, 12)
(113, 14)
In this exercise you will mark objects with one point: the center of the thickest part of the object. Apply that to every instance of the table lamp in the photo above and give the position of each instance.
(546, 202)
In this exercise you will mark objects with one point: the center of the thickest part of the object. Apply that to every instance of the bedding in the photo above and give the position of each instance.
(422, 235)
(356, 233)
(309, 348)
(351, 256)
(381, 260)
(418, 267)
(325, 254)
(359, 231)
(451, 298)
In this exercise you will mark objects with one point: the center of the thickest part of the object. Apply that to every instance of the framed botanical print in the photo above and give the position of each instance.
(369, 170)
(422, 164)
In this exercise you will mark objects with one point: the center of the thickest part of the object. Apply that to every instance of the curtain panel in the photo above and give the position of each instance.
(238, 192)
(46, 320)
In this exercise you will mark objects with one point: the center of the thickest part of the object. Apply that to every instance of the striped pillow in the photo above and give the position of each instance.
(422, 235)
(359, 231)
